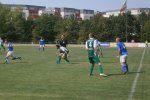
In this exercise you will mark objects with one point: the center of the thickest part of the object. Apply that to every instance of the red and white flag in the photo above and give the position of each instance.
(123, 8)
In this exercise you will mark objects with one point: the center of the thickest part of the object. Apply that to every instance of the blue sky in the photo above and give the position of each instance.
(98, 5)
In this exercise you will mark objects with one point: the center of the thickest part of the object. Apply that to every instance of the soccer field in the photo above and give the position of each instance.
(38, 77)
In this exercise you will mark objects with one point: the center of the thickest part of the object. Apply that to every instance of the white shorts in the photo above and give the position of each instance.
(123, 58)
(10, 53)
(42, 46)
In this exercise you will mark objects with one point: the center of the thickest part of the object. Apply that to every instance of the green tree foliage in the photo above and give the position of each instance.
(146, 31)
(13, 25)
(45, 26)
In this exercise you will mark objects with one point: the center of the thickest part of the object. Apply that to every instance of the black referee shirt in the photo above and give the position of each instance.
(63, 43)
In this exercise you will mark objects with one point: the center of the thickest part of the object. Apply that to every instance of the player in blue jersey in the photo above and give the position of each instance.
(122, 53)
(42, 44)
(10, 53)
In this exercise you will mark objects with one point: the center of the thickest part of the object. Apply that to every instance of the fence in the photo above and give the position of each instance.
(103, 44)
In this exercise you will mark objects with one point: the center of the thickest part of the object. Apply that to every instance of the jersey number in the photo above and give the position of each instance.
(90, 44)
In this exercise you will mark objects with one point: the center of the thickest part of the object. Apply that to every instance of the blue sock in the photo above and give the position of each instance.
(124, 68)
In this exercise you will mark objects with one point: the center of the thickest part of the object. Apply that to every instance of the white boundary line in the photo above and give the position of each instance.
(130, 97)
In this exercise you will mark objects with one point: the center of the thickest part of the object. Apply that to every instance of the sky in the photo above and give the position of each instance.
(97, 5)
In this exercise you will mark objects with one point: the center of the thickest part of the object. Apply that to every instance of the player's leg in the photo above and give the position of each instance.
(91, 66)
(7, 57)
(15, 57)
(100, 67)
(123, 63)
(66, 57)
(43, 47)
(59, 58)
(40, 47)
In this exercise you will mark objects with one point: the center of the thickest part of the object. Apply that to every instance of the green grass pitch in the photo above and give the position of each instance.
(38, 77)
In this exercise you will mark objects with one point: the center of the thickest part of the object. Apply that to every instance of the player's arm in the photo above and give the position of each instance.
(86, 46)
(96, 47)
(119, 51)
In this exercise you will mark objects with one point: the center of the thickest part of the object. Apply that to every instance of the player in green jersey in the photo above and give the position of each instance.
(92, 48)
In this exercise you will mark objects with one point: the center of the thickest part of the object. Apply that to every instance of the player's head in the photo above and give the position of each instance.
(118, 39)
(91, 35)
(57, 46)
(62, 36)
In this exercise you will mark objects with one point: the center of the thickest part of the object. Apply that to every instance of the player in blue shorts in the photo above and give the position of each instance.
(42, 44)
(122, 54)
(10, 53)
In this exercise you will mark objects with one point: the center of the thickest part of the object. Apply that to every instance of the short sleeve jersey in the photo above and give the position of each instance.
(63, 42)
(10, 46)
(122, 47)
(90, 45)
(42, 42)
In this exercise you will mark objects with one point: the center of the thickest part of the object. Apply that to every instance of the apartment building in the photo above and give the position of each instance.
(134, 11)
(28, 10)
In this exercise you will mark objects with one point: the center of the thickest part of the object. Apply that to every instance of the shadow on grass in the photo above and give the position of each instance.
(118, 74)
(108, 62)
(21, 62)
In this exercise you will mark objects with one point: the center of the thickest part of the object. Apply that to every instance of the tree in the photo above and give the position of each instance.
(45, 27)
(146, 31)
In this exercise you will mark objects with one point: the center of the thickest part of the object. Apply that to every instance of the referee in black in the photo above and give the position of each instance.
(62, 42)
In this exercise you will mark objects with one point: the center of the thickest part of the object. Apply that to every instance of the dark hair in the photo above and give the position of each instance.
(91, 34)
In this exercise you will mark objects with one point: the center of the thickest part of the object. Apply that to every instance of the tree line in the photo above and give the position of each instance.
(14, 26)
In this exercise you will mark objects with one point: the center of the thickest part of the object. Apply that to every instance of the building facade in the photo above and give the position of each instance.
(86, 14)
(28, 10)
(134, 11)
(81, 14)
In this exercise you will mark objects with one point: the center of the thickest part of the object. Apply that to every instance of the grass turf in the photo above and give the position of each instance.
(38, 77)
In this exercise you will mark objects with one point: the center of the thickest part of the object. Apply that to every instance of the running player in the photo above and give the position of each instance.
(42, 44)
(122, 54)
(62, 54)
(10, 53)
(92, 48)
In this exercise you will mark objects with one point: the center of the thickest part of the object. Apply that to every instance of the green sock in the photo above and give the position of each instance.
(58, 59)
(67, 60)
(100, 69)
(91, 69)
